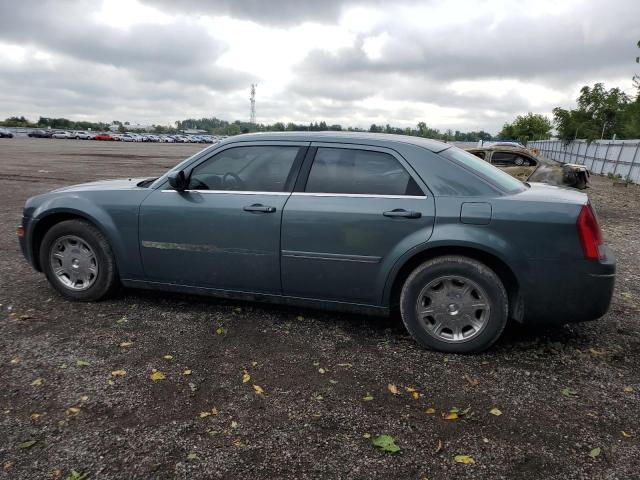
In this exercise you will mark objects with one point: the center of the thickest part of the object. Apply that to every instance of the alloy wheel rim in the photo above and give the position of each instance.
(453, 309)
(73, 263)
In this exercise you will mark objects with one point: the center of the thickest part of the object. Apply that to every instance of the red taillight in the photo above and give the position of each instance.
(589, 233)
(20, 231)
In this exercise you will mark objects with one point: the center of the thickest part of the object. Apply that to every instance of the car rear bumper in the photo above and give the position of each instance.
(568, 292)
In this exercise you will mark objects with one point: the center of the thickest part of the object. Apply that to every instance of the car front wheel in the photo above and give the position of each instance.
(78, 261)
(454, 304)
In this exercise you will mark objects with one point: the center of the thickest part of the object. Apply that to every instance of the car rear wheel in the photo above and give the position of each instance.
(78, 261)
(454, 304)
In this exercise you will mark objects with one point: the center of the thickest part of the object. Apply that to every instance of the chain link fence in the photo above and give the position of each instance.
(618, 157)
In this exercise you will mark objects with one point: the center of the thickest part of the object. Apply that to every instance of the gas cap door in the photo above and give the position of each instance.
(475, 213)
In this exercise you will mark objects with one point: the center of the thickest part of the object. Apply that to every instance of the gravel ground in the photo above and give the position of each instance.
(316, 392)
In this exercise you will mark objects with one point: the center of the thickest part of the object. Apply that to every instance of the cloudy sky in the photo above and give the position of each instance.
(458, 64)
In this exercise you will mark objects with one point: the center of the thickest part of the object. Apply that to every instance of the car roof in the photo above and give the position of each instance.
(332, 136)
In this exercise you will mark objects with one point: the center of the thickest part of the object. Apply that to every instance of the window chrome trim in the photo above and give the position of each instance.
(237, 192)
(357, 195)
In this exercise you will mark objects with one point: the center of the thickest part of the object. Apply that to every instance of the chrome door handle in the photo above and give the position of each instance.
(257, 207)
(400, 212)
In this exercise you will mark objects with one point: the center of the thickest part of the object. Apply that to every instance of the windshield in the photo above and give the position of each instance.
(484, 169)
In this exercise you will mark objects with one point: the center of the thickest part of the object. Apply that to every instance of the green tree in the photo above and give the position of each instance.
(600, 113)
(531, 126)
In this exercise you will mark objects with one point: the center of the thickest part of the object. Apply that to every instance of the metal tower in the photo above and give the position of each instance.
(252, 118)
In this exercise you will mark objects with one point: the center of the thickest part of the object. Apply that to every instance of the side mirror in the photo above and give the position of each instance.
(178, 181)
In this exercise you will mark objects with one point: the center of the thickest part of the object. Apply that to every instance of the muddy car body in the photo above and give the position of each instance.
(364, 222)
(527, 166)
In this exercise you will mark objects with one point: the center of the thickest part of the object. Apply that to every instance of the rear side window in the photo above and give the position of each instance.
(484, 169)
(257, 169)
(364, 172)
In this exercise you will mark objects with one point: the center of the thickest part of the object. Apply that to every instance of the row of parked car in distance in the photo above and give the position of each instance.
(124, 137)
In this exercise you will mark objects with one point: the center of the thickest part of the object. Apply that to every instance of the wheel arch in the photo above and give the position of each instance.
(45, 223)
(498, 265)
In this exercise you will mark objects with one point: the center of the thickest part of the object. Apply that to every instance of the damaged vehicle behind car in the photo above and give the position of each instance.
(525, 165)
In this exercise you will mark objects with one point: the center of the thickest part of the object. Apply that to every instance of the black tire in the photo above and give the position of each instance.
(106, 281)
(463, 267)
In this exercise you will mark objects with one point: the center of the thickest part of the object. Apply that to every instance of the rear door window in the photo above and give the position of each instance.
(362, 172)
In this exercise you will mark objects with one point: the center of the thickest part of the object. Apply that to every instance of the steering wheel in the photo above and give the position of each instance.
(195, 184)
(237, 181)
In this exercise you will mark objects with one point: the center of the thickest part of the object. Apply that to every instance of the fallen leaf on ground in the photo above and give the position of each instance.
(495, 411)
(472, 381)
(465, 459)
(27, 444)
(221, 331)
(246, 377)
(625, 434)
(392, 388)
(15, 360)
(234, 424)
(345, 365)
(595, 352)
(253, 364)
(413, 392)
(122, 320)
(386, 443)
(24, 316)
(594, 453)
(368, 397)
(258, 389)
(82, 363)
(73, 411)
(84, 398)
(322, 370)
(451, 416)
(366, 435)
(439, 446)
(156, 375)
(111, 382)
(126, 344)
(300, 318)
(36, 415)
(568, 392)
(187, 372)
(628, 389)
(204, 414)
(118, 373)
(430, 410)
(37, 382)
(192, 456)
(168, 357)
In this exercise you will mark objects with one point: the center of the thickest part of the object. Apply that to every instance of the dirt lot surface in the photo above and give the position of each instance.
(323, 377)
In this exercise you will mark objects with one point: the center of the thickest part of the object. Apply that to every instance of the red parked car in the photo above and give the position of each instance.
(104, 136)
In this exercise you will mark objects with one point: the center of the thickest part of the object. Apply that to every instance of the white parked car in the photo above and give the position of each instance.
(83, 135)
(61, 135)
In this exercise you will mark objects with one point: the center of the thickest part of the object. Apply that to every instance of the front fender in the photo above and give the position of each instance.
(116, 218)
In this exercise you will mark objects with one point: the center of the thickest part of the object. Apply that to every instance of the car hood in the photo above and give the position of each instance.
(543, 192)
(120, 184)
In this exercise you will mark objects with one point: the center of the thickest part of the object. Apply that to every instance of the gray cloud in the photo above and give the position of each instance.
(269, 12)
(156, 72)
